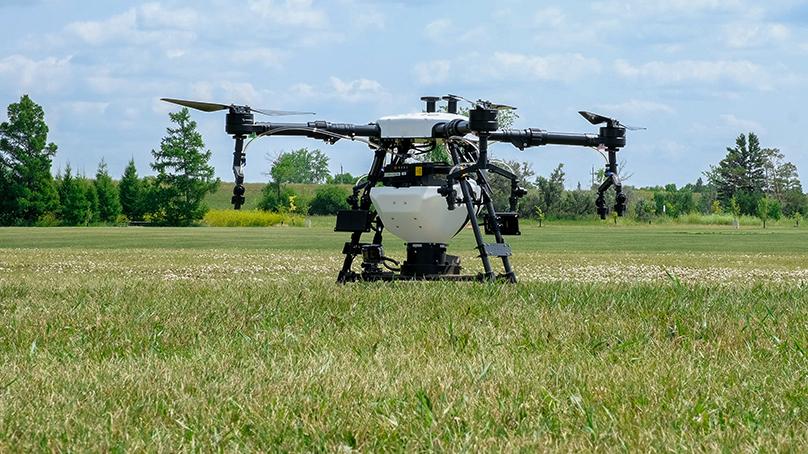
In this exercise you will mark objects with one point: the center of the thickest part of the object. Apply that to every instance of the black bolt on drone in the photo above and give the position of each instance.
(426, 203)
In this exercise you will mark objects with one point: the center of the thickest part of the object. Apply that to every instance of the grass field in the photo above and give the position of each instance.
(642, 338)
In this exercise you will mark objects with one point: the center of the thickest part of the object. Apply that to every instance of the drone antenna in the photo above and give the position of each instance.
(431, 102)
(451, 103)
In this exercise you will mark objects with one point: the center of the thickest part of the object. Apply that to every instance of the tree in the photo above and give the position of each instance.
(763, 210)
(551, 190)
(342, 178)
(109, 204)
(27, 189)
(329, 200)
(735, 209)
(501, 186)
(644, 210)
(74, 206)
(275, 199)
(300, 166)
(539, 215)
(184, 175)
(742, 173)
(131, 193)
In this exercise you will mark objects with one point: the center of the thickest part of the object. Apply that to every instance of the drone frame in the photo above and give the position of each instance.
(470, 163)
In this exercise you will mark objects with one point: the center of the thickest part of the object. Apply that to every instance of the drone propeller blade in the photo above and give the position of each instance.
(214, 107)
(595, 119)
(203, 106)
(276, 113)
(634, 128)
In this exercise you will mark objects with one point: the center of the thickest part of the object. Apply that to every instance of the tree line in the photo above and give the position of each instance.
(749, 180)
(32, 196)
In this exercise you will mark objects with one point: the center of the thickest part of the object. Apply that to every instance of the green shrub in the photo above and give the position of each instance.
(329, 200)
(250, 218)
(273, 199)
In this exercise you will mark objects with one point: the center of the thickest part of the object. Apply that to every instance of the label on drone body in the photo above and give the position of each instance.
(395, 174)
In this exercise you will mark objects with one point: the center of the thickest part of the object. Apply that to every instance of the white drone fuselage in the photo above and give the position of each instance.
(415, 125)
(418, 214)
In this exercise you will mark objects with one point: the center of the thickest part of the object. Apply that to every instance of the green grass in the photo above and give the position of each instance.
(663, 338)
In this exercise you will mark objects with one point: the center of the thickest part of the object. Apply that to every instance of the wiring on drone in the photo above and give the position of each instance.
(316, 130)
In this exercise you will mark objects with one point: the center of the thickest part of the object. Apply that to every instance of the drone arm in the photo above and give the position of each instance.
(532, 137)
(315, 129)
(536, 137)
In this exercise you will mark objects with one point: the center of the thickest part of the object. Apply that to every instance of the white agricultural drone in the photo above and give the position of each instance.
(425, 203)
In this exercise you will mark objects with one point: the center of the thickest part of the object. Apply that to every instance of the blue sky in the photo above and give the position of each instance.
(696, 73)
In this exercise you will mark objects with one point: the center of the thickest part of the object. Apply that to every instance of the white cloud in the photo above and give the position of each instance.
(262, 56)
(560, 67)
(637, 107)
(741, 124)
(356, 90)
(550, 17)
(299, 13)
(240, 92)
(432, 72)
(744, 35)
(49, 74)
(634, 8)
(148, 23)
(438, 30)
(742, 72)
(87, 107)
(303, 90)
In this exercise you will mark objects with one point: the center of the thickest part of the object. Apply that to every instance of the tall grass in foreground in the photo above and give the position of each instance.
(251, 218)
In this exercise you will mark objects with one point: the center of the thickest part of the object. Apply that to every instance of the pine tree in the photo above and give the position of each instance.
(741, 174)
(91, 195)
(27, 189)
(74, 207)
(184, 175)
(130, 191)
(109, 204)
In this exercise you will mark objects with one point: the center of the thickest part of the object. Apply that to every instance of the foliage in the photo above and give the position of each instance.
(250, 218)
(109, 205)
(184, 174)
(716, 207)
(742, 171)
(551, 189)
(275, 197)
(329, 199)
(763, 210)
(300, 166)
(27, 189)
(539, 215)
(75, 208)
(644, 211)
(501, 186)
(673, 202)
(342, 178)
(132, 193)
(750, 172)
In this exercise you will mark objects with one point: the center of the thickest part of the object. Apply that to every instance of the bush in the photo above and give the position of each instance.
(250, 218)
(329, 200)
(274, 200)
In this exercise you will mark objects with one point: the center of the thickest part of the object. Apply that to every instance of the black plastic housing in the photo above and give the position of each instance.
(508, 224)
(353, 221)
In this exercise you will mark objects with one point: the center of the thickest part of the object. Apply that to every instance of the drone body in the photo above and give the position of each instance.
(426, 204)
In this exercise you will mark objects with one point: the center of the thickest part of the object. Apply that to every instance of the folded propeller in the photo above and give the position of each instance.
(215, 107)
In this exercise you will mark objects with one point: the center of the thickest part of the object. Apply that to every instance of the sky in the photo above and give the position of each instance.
(695, 73)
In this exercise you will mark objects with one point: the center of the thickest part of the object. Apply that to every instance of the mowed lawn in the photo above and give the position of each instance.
(646, 338)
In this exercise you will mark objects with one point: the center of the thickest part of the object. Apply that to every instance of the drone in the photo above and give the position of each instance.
(426, 204)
